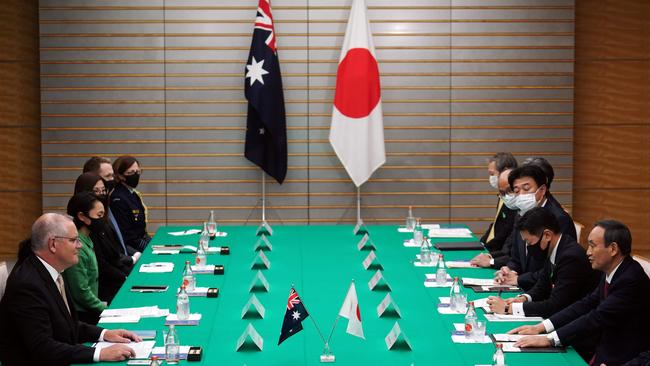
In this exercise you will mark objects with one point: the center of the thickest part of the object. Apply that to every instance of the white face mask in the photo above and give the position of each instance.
(494, 181)
(510, 200)
(526, 202)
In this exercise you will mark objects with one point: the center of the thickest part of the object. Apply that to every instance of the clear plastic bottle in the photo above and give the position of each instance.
(154, 361)
(470, 321)
(204, 239)
(189, 281)
(417, 233)
(200, 259)
(410, 220)
(212, 226)
(499, 359)
(425, 251)
(183, 304)
(454, 295)
(172, 346)
(441, 271)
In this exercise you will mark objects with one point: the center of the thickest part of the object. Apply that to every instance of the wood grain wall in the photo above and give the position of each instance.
(20, 162)
(612, 115)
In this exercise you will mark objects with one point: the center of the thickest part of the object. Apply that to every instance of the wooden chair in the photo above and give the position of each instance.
(4, 274)
(644, 262)
(579, 228)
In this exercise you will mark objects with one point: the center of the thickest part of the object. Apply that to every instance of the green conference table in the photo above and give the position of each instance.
(320, 261)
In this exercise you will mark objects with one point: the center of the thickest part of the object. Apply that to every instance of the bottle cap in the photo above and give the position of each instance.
(154, 358)
(187, 262)
(499, 345)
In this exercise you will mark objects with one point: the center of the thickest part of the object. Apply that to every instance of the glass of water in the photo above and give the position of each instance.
(461, 303)
(410, 223)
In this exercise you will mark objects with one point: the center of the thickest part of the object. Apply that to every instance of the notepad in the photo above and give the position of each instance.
(157, 267)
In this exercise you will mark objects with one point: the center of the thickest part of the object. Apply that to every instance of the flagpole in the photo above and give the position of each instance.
(359, 221)
(263, 196)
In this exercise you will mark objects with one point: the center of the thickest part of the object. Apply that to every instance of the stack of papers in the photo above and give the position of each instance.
(467, 281)
(131, 315)
(142, 349)
(157, 267)
(512, 318)
(459, 264)
(450, 233)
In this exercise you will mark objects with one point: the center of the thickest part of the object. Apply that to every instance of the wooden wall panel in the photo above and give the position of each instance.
(20, 163)
(612, 115)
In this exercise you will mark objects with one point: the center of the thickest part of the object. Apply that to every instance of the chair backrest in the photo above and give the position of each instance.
(644, 262)
(579, 228)
(4, 274)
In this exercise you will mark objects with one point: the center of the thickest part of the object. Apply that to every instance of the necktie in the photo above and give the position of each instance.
(494, 223)
(61, 286)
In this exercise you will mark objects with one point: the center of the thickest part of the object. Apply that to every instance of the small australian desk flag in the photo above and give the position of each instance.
(266, 127)
(293, 317)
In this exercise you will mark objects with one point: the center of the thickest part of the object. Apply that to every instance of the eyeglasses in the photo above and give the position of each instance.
(73, 240)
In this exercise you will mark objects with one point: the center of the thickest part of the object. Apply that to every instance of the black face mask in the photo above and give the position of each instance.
(97, 225)
(110, 185)
(103, 198)
(132, 180)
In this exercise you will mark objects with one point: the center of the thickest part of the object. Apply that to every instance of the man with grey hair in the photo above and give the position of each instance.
(37, 316)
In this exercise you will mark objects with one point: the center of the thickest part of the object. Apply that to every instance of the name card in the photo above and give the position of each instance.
(396, 339)
(388, 308)
(260, 261)
(265, 229)
(263, 243)
(259, 283)
(253, 309)
(371, 262)
(365, 243)
(250, 340)
(378, 283)
(360, 229)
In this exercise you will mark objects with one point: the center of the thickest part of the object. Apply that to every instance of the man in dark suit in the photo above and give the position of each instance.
(530, 184)
(567, 275)
(615, 312)
(504, 224)
(500, 228)
(37, 316)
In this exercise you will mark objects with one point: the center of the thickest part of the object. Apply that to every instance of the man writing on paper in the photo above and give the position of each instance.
(37, 316)
(614, 316)
(565, 278)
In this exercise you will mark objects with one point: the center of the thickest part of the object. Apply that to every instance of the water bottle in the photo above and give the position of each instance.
(212, 226)
(410, 220)
(441, 272)
(204, 239)
(172, 346)
(454, 295)
(183, 304)
(417, 233)
(200, 259)
(154, 361)
(189, 281)
(499, 359)
(425, 251)
(470, 321)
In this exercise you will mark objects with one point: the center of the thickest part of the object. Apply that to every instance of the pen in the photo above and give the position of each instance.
(500, 291)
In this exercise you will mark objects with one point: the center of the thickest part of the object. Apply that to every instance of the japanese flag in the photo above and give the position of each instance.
(350, 310)
(357, 131)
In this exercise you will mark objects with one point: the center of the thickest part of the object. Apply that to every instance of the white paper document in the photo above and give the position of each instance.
(504, 337)
(119, 319)
(143, 312)
(512, 318)
(459, 264)
(142, 349)
(460, 338)
(184, 233)
(450, 233)
(411, 244)
(479, 282)
(157, 267)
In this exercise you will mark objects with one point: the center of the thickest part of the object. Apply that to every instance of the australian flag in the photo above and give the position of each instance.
(266, 126)
(293, 317)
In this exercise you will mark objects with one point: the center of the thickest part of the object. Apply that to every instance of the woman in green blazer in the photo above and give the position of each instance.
(82, 279)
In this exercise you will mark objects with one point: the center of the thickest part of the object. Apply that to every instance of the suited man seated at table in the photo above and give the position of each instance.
(615, 314)
(504, 219)
(530, 184)
(499, 257)
(37, 315)
(566, 277)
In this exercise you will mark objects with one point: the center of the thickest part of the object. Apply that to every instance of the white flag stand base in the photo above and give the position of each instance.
(327, 356)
